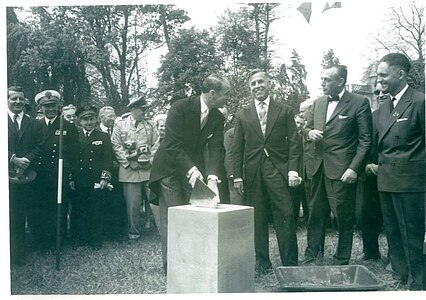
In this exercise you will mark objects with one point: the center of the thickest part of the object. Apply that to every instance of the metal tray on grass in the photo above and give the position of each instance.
(327, 278)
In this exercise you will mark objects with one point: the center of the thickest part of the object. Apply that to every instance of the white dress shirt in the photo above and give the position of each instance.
(18, 118)
(332, 105)
(399, 95)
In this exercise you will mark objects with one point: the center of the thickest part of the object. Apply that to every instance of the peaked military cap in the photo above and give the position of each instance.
(47, 97)
(86, 111)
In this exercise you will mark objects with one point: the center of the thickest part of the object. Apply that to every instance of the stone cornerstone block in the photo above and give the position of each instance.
(210, 250)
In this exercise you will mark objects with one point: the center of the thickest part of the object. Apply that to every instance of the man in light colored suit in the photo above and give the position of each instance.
(339, 125)
(133, 139)
(401, 173)
(266, 151)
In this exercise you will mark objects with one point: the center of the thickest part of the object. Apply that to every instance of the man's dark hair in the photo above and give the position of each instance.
(398, 60)
(255, 71)
(342, 71)
(213, 82)
(14, 88)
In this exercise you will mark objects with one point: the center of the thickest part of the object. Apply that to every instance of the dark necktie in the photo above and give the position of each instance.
(136, 124)
(49, 123)
(109, 131)
(86, 134)
(15, 121)
(391, 103)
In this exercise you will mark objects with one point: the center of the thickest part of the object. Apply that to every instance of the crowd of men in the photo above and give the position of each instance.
(268, 158)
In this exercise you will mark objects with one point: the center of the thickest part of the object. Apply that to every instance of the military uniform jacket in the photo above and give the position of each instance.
(47, 165)
(94, 158)
(144, 134)
(401, 144)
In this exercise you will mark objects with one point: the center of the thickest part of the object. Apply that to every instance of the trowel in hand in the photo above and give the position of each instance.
(203, 196)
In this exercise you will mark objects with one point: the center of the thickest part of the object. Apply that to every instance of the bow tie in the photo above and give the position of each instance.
(333, 98)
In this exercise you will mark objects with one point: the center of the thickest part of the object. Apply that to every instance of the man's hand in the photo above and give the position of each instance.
(212, 184)
(239, 186)
(315, 135)
(194, 175)
(71, 184)
(21, 162)
(371, 169)
(134, 165)
(294, 181)
(350, 176)
(103, 184)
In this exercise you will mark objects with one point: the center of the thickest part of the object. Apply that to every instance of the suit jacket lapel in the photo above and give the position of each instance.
(340, 105)
(24, 125)
(196, 116)
(273, 112)
(391, 117)
(253, 118)
(320, 113)
(12, 126)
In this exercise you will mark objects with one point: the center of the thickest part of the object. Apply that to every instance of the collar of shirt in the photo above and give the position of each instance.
(340, 94)
(266, 101)
(90, 132)
(399, 95)
(103, 128)
(19, 118)
(47, 120)
(204, 107)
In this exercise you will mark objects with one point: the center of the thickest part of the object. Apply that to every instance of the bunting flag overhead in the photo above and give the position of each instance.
(334, 5)
(306, 9)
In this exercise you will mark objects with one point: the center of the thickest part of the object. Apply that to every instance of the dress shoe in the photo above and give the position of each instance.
(365, 257)
(263, 269)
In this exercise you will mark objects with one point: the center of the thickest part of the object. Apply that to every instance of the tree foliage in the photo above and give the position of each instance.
(405, 33)
(191, 58)
(329, 59)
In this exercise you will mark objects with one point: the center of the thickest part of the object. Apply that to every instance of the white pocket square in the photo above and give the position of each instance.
(402, 119)
(210, 136)
(343, 117)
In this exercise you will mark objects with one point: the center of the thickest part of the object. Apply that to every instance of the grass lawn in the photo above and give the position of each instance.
(136, 268)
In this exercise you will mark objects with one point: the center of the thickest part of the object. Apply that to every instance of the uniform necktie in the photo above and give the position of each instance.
(86, 134)
(262, 116)
(15, 121)
(49, 123)
(109, 131)
(136, 124)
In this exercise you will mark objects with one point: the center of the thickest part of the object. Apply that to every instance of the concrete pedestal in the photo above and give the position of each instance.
(210, 250)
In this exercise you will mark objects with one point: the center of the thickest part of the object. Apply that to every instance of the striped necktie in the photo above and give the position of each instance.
(262, 116)
(15, 121)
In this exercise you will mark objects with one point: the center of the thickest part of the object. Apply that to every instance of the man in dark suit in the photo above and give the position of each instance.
(339, 124)
(266, 151)
(115, 204)
(402, 168)
(92, 174)
(43, 217)
(371, 222)
(179, 161)
(24, 143)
